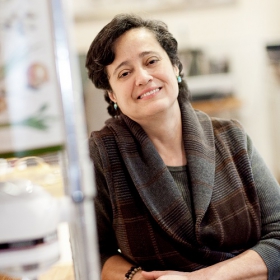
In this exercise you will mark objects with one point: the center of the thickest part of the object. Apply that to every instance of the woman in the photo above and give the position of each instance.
(180, 195)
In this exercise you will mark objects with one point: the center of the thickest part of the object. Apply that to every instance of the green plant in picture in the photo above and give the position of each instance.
(39, 120)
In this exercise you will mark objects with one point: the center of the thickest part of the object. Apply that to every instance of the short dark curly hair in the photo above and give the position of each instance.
(101, 51)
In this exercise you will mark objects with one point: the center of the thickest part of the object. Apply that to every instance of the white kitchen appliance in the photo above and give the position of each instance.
(29, 220)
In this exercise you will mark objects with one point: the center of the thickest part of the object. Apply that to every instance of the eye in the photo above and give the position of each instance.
(152, 60)
(123, 74)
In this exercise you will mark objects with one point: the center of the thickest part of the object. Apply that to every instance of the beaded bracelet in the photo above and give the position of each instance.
(131, 272)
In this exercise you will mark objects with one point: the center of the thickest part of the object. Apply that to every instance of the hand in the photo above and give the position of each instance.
(165, 275)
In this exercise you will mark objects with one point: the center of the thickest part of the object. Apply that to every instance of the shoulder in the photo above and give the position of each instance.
(106, 132)
(97, 146)
(106, 141)
(221, 127)
(227, 127)
(232, 134)
(99, 140)
(225, 124)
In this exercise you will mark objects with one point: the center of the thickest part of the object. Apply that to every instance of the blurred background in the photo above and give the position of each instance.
(230, 50)
(223, 47)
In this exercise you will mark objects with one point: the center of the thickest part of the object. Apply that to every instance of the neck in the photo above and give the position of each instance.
(166, 134)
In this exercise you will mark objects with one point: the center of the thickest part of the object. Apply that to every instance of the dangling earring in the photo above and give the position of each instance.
(179, 79)
(115, 106)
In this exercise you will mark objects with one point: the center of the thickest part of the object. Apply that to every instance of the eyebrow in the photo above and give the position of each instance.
(126, 62)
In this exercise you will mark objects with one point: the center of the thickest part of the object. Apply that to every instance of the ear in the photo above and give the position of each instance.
(112, 96)
(176, 70)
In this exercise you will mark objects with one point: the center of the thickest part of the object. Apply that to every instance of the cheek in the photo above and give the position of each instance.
(172, 78)
(169, 73)
(121, 94)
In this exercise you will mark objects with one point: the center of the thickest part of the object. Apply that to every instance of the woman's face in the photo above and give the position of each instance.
(142, 78)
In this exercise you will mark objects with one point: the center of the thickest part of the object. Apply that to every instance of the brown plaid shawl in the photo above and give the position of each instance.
(149, 218)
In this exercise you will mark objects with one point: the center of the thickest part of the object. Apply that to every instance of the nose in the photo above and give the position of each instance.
(142, 77)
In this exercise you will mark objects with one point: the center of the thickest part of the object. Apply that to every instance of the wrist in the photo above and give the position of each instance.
(131, 272)
(138, 275)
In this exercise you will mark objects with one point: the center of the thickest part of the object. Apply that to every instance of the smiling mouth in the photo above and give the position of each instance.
(149, 93)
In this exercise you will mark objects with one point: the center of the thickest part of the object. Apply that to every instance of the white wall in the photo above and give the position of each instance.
(239, 31)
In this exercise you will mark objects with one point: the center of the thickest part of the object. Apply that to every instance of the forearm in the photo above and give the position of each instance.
(248, 265)
(116, 267)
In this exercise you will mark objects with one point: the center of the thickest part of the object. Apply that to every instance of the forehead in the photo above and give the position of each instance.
(134, 40)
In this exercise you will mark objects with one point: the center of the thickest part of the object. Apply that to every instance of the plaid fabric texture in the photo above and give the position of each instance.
(141, 211)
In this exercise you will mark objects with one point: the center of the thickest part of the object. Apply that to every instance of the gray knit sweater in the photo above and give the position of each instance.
(141, 212)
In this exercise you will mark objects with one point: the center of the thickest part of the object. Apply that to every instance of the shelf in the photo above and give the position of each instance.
(207, 85)
(218, 105)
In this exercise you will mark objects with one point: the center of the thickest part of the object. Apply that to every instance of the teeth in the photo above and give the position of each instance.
(149, 93)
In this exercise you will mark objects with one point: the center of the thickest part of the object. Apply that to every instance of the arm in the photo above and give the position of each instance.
(269, 196)
(248, 265)
(113, 265)
(116, 267)
(103, 209)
